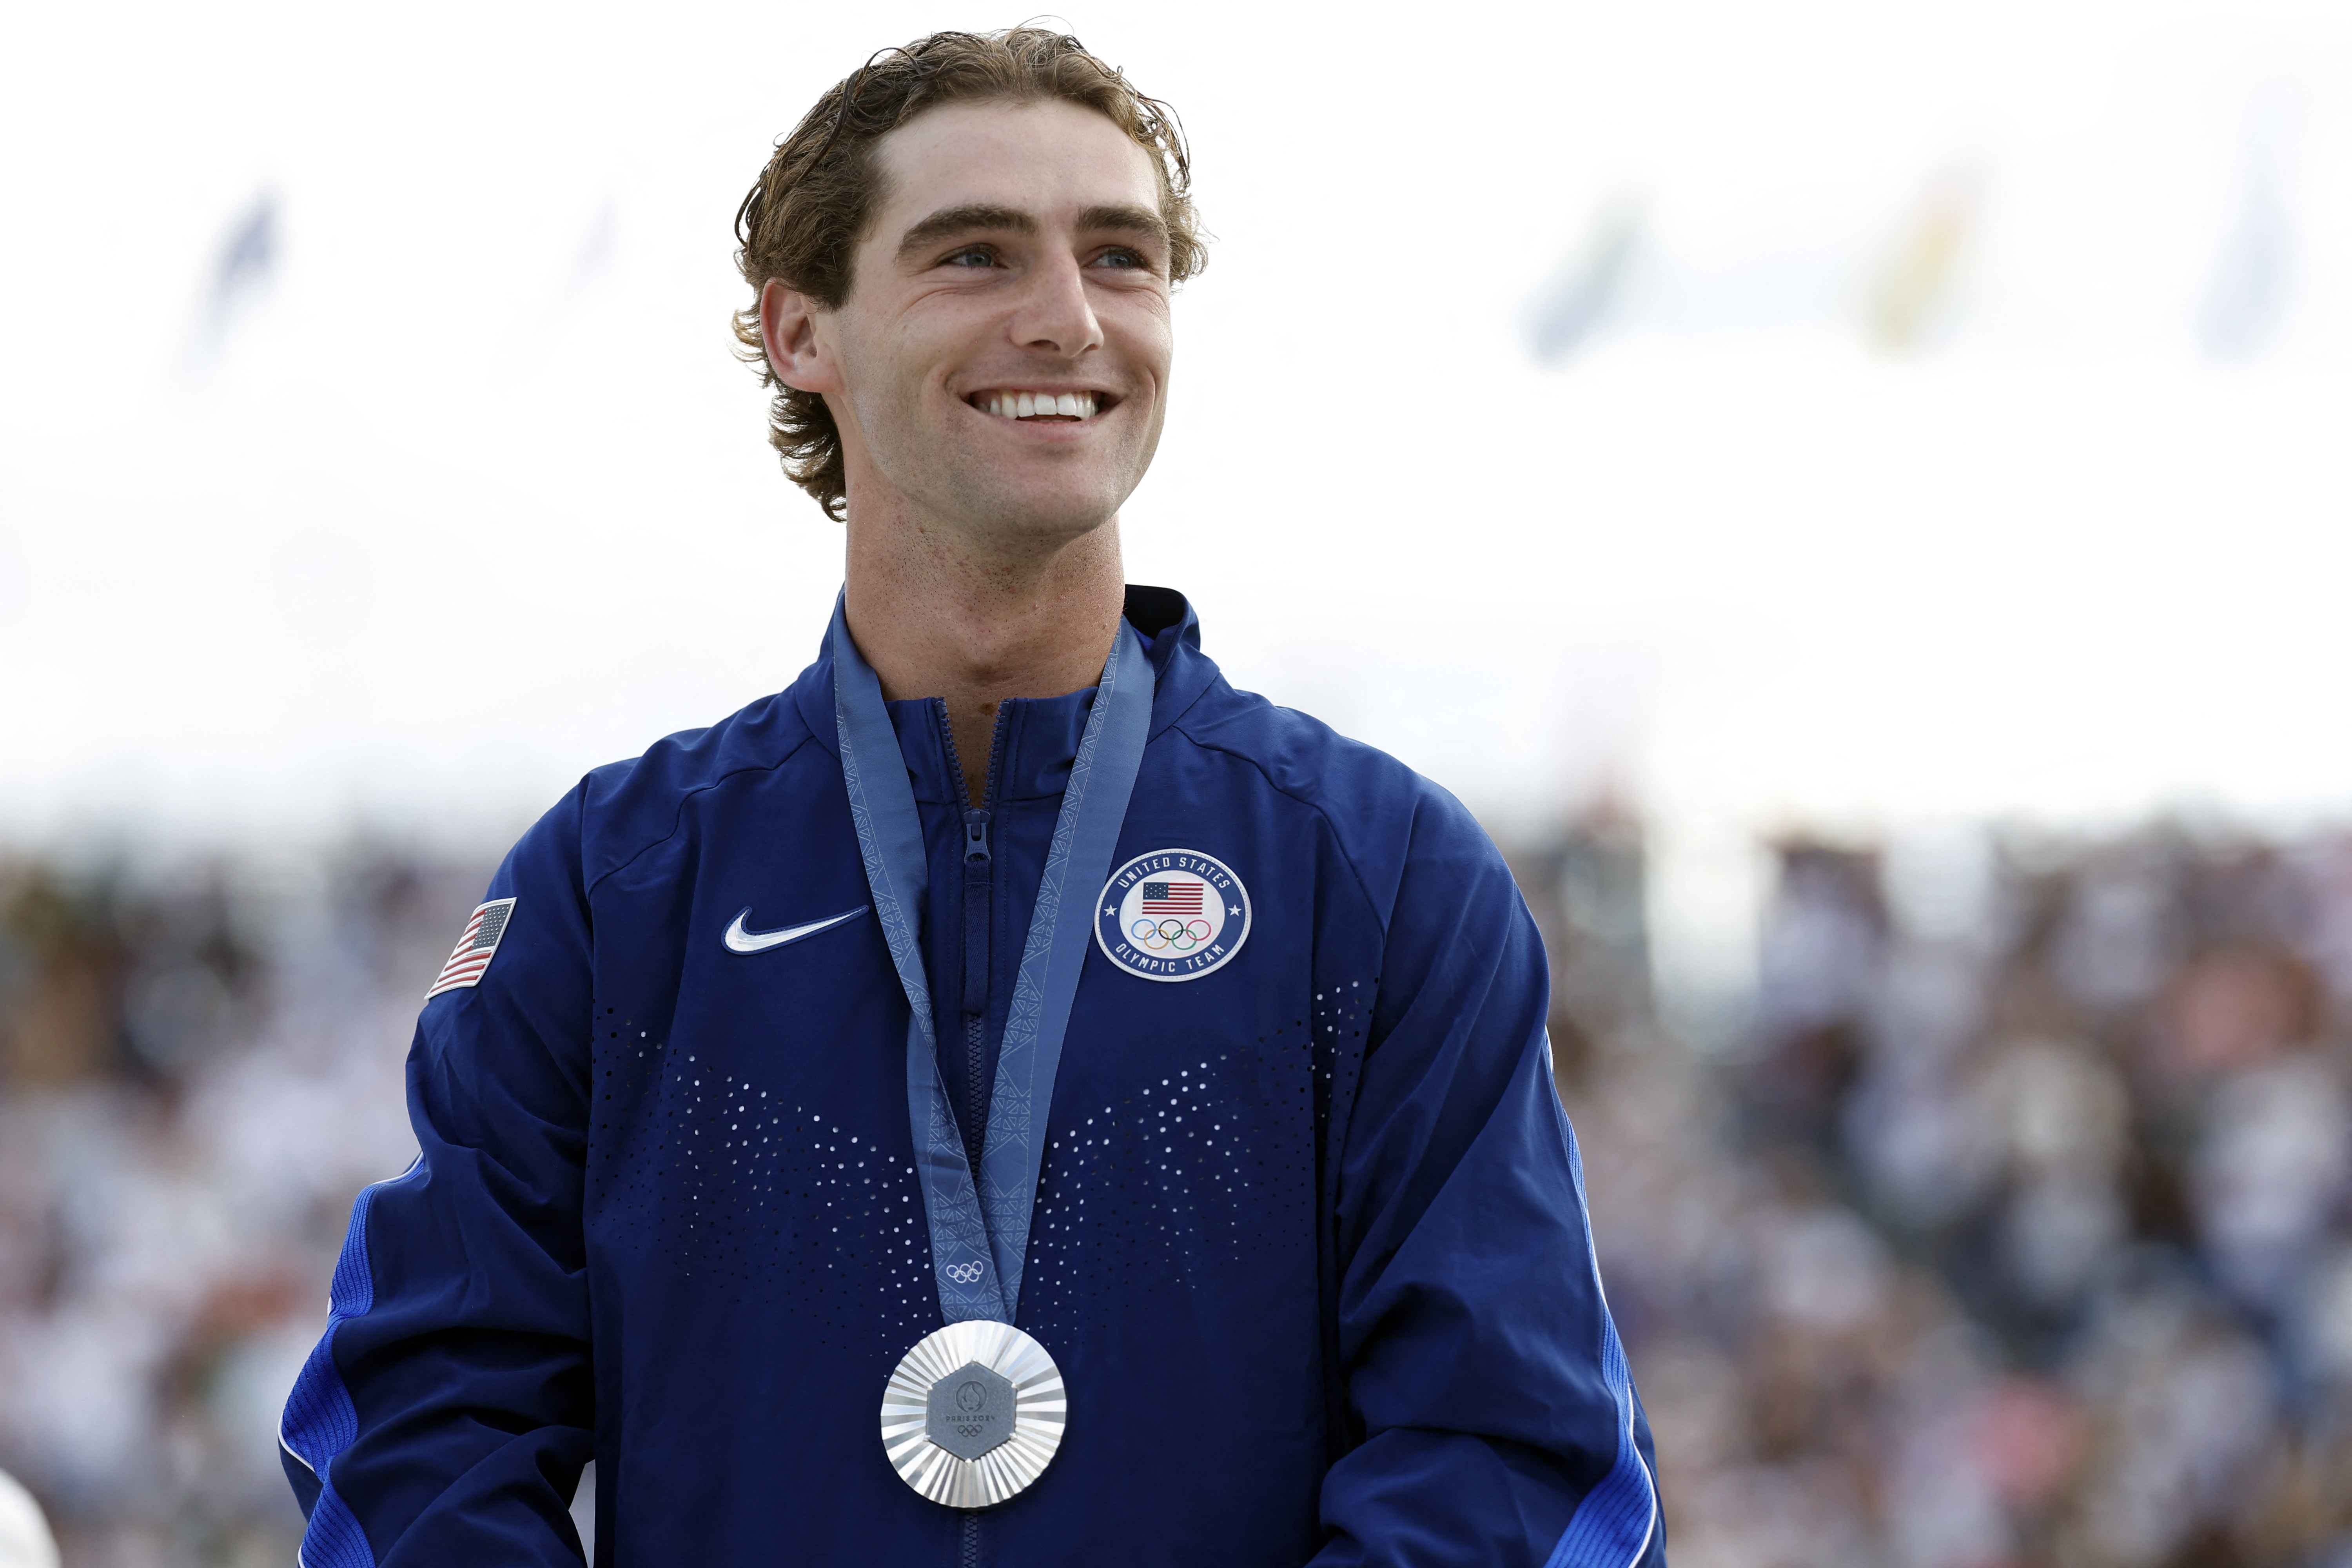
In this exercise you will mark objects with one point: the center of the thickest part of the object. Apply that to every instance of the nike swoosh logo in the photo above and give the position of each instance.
(741, 941)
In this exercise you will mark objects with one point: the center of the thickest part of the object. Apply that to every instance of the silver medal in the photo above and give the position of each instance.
(974, 1414)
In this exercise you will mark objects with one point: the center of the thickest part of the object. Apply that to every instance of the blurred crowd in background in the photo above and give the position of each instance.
(2010, 1227)
(198, 1071)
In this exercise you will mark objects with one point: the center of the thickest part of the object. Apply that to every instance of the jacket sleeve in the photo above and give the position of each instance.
(446, 1415)
(1493, 1416)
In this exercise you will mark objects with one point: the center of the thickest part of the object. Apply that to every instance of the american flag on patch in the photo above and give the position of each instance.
(475, 948)
(1172, 898)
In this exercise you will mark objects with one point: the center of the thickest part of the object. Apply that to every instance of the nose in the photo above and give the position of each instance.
(1055, 317)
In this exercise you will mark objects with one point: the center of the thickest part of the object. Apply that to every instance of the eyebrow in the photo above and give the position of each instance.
(1124, 218)
(951, 221)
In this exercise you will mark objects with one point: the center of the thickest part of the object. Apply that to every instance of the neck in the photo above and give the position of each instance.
(938, 616)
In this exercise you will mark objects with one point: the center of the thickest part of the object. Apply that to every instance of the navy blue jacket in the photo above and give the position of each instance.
(1311, 1245)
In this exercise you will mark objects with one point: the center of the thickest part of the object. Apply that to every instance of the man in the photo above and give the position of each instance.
(1010, 1097)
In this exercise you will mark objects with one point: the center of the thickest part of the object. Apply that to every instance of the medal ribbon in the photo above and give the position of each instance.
(980, 1230)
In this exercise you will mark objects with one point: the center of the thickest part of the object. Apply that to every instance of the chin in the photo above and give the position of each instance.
(1042, 512)
(1045, 519)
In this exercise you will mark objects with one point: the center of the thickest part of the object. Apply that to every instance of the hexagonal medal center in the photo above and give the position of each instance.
(971, 1411)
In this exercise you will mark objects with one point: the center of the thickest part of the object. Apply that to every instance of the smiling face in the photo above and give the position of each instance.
(1000, 367)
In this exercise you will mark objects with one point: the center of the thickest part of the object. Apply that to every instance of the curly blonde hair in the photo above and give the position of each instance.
(806, 212)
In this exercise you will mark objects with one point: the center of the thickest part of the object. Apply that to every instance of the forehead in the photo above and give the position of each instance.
(1043, 158)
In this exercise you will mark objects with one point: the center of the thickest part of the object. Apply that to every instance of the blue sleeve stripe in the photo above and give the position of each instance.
(321, 1420)
(352, 1290)
(334, 1539)
(1612, 1526)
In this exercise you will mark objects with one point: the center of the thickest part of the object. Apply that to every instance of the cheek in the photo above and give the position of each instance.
(883, 378)
(1147, 335)
(941, 331)
(879, 351)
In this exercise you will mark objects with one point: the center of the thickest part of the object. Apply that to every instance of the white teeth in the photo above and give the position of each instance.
(1033, 404)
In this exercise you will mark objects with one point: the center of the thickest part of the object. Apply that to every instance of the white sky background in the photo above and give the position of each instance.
(468, 496)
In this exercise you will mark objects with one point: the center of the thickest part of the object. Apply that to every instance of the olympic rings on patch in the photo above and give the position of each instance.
(1172, 914)
(1170, 934)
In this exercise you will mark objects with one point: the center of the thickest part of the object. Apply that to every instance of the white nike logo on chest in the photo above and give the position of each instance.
(738, 940)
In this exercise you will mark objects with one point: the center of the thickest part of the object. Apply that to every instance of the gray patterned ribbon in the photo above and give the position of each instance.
(976, 1251)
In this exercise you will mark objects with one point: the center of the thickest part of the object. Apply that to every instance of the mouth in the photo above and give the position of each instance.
(1046, 406)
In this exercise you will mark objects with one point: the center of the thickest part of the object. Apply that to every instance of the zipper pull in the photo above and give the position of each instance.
(979, 873)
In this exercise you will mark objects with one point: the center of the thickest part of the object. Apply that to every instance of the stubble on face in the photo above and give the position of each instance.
(1015, 247)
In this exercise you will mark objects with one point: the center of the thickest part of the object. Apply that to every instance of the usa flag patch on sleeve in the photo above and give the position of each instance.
(475, 948)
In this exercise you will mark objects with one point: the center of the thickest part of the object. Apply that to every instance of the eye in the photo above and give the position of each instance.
(969, 256)
(1123, 259)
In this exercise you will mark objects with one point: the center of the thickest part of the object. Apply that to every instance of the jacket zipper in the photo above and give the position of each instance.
(978, 889)
(978, 892)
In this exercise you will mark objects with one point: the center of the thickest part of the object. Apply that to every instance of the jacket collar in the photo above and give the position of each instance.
(1181, 671)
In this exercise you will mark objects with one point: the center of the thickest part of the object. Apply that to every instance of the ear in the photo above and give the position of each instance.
(788, 329)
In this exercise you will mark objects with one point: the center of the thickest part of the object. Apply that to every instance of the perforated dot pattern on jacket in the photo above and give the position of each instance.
(754, 1193)
(1203, 1166)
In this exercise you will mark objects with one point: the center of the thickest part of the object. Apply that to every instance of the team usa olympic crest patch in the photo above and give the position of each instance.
(1173, 914)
